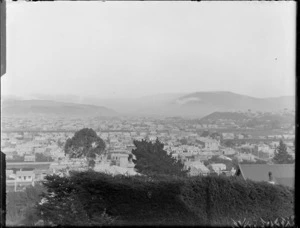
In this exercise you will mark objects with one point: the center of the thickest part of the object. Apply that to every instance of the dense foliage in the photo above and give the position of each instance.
(277, 223)
(205, 134)
(65, 205)
(85, 143)
(281, 155)
(183, 141)
(164, 200)
(152, 159)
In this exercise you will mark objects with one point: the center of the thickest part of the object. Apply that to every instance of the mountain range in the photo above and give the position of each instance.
(45, 107)
(239, 117)
(198, 104)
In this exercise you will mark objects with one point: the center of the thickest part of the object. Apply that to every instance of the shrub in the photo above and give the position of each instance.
(278, 222)
(165, 200)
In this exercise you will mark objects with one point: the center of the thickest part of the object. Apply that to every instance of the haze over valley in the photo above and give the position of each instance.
(196, 104)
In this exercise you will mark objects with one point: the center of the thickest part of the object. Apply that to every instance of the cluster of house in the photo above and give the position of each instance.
(119, 146)
(265, 151)
(26, 145)
(21, 174)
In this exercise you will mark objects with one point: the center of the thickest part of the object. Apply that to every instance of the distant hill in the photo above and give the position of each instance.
(234, 116)
(47, 107)
(194, 105)
(283, 102)
(145, 105)
(250, 118)
(204, 103)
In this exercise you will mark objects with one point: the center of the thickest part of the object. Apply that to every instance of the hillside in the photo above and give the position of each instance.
(204, 103)
(193, 105)
(236, 101)
(234, 116)
(249, 119)
(46, 107)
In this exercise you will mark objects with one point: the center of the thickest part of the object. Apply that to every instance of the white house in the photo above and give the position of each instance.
(197, 168)
(217, 167)
(25, 176)
(208, 143)
(228, 135)
(29, 158)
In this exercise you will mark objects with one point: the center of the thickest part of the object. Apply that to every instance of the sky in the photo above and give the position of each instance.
(132, 49)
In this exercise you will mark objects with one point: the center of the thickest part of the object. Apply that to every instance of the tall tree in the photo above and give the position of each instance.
(66, 204)
(152, 159)
(281, 155)
(85, 143)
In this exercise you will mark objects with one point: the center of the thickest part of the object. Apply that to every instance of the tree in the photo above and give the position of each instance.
(281, 155)
(183, 141)
(67, 204)
(205, 134)
(215, 135)
(152, 159)
(85, 143)
(229, 143)
(60, 143)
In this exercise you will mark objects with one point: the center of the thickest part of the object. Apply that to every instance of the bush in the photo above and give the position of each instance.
(165, 200)
(231, 197)
(278, 222)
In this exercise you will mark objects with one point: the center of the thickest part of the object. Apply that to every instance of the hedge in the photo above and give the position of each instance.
(204, 201)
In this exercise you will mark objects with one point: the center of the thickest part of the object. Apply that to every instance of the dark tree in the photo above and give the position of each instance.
(85, 143)
(42, 158)
(60, 143)
(215, 135)
(206, 162)
(152, 159)
(183, 141)
(281, 155)
(205, 134)
(229, 143)
(66, 204)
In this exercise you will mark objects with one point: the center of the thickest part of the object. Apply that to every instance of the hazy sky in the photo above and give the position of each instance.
(129, 49)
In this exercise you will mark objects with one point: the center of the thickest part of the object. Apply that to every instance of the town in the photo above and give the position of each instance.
(148, 114)
(34, 146)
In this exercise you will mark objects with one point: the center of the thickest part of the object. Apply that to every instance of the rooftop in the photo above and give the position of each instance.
(282, 173)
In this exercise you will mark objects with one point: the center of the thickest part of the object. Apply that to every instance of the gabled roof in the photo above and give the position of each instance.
(285, 181)
(282, 173)
(24, 173)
